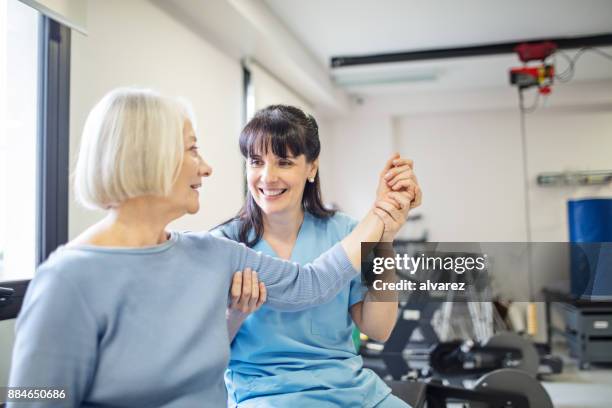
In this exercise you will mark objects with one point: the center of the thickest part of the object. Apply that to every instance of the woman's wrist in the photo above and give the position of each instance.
(369, 229)
(378, 229)
(388, 236)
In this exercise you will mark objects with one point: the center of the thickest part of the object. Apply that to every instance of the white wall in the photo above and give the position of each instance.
(467, 151)
(353, 153)
(470, 166)
(565, 140)
(268, 90)
(136, 43)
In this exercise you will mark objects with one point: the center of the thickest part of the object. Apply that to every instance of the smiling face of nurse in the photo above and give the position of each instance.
(277, 183)
(281, 146)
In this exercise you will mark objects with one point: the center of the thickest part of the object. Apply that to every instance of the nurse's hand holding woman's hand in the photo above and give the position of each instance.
(398, 192)
(247, 293)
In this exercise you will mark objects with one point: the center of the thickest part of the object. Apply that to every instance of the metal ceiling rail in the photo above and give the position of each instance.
(471, 51)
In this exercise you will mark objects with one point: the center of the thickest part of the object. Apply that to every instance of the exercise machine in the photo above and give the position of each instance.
(503, 388)
(502, 350)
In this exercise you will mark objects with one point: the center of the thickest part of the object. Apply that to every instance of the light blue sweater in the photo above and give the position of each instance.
(146, 327)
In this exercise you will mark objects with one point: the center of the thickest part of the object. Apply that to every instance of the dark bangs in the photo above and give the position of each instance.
(284, 132)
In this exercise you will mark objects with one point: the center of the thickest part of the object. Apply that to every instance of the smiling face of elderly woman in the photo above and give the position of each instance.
(137, 143)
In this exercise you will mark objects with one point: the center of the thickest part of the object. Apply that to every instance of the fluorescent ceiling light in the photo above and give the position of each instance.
(349, 79)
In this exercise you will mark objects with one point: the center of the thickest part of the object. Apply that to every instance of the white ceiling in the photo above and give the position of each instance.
(341, 27)
(356, 27)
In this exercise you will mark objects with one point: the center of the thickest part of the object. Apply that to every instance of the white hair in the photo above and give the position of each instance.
(132, 145)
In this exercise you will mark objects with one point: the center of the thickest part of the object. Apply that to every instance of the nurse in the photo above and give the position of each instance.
(129, 313)
(304, 359)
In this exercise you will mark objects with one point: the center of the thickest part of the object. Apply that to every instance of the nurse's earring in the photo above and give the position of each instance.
(311, 179)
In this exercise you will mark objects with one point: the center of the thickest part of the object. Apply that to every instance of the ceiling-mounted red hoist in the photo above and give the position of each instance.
(540, 75)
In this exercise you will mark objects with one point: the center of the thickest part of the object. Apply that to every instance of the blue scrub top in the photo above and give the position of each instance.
(308, 358)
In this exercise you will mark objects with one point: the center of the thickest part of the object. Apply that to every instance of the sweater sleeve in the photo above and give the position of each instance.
(56, 340)
(292, 287)
(357, 289)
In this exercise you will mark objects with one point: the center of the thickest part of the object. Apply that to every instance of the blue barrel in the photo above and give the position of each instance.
(590, 231)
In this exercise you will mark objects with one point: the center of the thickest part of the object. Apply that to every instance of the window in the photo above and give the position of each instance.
(18, 139)
(34, 143)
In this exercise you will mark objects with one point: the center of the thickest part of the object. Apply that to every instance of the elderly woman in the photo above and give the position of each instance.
(129, 314)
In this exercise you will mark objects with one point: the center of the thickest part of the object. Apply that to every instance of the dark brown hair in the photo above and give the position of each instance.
(286, 130)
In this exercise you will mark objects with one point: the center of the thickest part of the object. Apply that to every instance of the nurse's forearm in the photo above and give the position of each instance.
(375, 319)
(378, 318)
(377, 314)
(370, 229)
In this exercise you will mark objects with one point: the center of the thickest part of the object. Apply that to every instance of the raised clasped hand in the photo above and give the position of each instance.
(398, 192)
